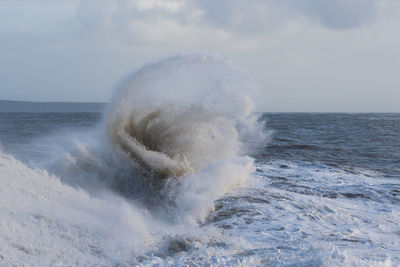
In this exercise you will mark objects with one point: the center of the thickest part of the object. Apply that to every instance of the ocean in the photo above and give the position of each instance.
(185, 185)
(325, 191)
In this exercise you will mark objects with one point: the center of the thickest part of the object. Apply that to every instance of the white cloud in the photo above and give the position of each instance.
(170, 6)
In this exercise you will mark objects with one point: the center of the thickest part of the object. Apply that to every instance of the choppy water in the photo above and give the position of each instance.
(325, 191)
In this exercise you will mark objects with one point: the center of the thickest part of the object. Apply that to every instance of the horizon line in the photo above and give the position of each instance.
(106, 103)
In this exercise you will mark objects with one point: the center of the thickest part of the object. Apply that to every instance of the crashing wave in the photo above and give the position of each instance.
(179, 115)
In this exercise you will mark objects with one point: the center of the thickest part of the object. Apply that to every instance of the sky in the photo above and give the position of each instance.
(306, 55)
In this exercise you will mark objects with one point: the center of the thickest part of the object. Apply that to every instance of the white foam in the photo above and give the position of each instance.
(46, 222)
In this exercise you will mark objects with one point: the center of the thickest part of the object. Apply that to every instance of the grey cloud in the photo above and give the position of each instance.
(245, 16)
(264, 15)
(341, 14)
(127, 18)
(134, 22)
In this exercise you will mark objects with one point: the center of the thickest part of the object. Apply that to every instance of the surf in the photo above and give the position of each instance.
(179, 115)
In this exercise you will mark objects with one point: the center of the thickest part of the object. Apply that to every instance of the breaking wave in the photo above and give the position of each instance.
(177, 116)
(175, 138)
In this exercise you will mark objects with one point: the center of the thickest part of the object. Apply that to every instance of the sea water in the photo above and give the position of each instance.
(171, 175)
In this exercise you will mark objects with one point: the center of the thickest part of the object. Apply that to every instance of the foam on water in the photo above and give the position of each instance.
(45, 222)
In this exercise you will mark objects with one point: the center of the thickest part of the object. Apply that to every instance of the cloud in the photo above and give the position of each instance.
(245, 16)
(250, 16)
(134, 22)
(130, 20)
(264, 15)
(340, 14)
(299, 49)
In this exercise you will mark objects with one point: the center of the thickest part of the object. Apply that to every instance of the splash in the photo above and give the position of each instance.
(179, 115)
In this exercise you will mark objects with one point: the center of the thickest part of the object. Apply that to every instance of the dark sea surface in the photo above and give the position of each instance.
(348, 141)
(326, 190)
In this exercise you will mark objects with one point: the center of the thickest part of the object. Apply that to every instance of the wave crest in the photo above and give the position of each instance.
(177, 116)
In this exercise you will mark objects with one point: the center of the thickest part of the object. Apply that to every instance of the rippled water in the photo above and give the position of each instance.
(326, 191)
(368, 141)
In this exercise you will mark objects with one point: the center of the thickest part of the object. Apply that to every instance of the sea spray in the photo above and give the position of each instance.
(188, 117)
(179, 115)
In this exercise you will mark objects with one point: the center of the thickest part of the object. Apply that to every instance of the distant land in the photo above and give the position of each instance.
(26, 106)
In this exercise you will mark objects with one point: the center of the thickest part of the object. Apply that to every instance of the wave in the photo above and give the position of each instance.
(175, 138)
(177, 116)
(171, 126)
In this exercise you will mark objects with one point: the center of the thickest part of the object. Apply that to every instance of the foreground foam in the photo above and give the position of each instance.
(46, 222)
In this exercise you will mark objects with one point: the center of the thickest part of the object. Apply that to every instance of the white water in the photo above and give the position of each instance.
(181, 114)
(45, 222)
(171, 144)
